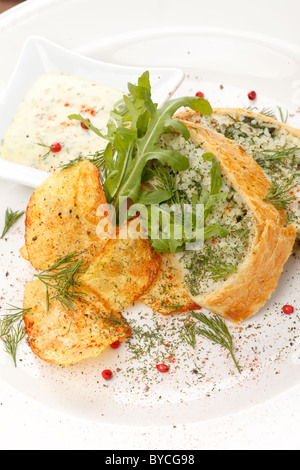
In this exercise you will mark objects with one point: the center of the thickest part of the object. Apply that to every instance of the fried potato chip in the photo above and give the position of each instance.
(66, 337)
(167, 294)
(62, 216)
(23, 253)
(123, 271)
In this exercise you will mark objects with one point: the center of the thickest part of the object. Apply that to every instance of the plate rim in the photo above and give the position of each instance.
(35, 2)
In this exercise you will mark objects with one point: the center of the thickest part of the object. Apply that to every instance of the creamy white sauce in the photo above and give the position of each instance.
(42, 119)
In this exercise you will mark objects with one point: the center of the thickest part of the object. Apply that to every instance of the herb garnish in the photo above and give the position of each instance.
(220, 271)
(269, 112)
(279, 194)
(214, 329)
(62, 277)
(96, 159)
(167, 234)
(10, 219)
(134, 130)
(189, 334)
(284, 117)
(12, 340)
(133, 134)
(276, 155)
(10, 334)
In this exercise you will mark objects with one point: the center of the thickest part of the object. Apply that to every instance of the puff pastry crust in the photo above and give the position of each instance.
(246, 291)
(237, 113)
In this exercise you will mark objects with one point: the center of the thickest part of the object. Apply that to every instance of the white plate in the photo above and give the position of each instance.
(40, 56)
(268, 345)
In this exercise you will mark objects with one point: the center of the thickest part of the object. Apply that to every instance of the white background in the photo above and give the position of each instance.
(73, 23)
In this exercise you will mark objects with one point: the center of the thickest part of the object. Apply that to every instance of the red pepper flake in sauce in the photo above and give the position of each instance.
(288, 309)
(85, 109)
(115, 345)
(107, 374)
(171, 359)
(163, 368)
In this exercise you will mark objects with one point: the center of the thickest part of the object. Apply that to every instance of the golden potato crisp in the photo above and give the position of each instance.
(66, 337)
(62, 216)
(168, 294)
(122, 272)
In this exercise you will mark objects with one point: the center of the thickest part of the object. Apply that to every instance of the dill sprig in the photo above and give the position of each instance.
(215, 329)
(12, 340)
(96, 159)
(12, 335)
(221, 270)
(269, 112)
(215, 269)
(165, 179)
(45, 146)
(16, 316)
(279, 194)
(189, 334)
(62, 277)
(283, 116)
(11, 218)
(277, 155)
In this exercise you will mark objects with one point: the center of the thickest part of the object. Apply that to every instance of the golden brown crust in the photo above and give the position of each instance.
(23, 253)
(168, 294)
(245, 175)
(62, 216)
(244, 293)
(191, 117)
(123, 271)
(66, 337)
(244, 112)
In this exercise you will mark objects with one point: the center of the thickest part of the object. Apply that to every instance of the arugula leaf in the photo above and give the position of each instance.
(216, 177)
(133, 134)
(87, 123)
(154, 197)
(213, 231)
(134, 130)
(169, 227)
(144, 149)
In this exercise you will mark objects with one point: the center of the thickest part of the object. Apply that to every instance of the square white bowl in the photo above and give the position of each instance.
(40, 56)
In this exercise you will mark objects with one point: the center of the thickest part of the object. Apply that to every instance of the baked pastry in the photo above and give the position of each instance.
(168, 294)
(233, 275)
(274, 145)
